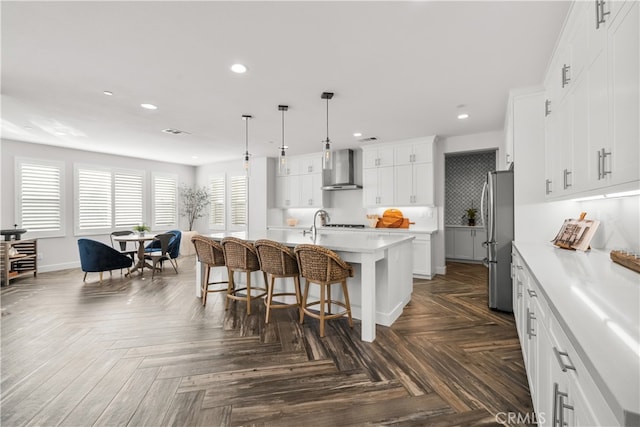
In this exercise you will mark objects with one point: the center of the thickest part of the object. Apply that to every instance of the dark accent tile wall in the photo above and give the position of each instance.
(464, 176)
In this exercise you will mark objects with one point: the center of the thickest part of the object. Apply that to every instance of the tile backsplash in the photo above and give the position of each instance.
(464, 176)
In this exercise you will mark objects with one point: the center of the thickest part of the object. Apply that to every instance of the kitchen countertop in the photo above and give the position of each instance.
(597, 303)
(417, 230)
(356, 242)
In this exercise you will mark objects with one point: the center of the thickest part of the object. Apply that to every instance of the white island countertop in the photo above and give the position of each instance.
(597, 303)
(342, 242)
(370, 230)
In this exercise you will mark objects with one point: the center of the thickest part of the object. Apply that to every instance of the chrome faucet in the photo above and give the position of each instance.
(324, 217)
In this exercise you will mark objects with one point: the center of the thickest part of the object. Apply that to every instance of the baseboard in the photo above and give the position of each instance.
(58, 267)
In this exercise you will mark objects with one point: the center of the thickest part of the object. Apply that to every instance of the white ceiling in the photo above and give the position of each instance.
(398, 70)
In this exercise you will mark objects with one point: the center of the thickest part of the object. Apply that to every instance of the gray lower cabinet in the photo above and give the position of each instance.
(465, 243)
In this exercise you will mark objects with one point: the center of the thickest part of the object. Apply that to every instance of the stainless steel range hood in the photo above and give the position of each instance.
(341, 176)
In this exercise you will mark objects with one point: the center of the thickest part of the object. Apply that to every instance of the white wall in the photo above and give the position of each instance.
(62, 252)
(457, 144)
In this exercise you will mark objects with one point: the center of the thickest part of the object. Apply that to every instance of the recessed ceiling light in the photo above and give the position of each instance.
(108, 92)
(238, 68)
(149, 106)
(175, 131)
(463, 116)
(357, 134)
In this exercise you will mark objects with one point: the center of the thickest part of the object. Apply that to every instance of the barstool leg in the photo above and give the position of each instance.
(322, 296)
(296, 285)
(269, 297)
(329, 298)
(205, 286)
(230, 288)
(346, 300)
(304, 300)
(248, 293)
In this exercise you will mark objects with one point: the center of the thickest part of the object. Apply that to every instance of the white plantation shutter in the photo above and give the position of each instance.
(128, 199)
(217, 201)
(165, 192)
(94, 201)
(238, 200)
(39, 191)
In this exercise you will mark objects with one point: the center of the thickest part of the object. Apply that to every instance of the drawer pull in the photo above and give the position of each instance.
(559, 355)
(532, 293)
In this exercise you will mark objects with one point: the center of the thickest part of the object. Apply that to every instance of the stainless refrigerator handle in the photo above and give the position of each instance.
(490, 210)
(484, 190)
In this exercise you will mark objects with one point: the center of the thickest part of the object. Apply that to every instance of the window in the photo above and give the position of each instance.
(165, 192)
(217, 202)
(94, 201)
(128, 199)
(107, 199)
(238, 201)
(40, 201)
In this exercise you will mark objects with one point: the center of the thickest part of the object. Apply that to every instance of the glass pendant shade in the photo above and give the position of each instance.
(327, 158)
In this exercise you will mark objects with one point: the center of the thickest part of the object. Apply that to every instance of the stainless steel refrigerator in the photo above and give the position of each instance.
(497, 212)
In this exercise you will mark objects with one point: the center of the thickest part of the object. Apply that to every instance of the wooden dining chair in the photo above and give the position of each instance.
(323, 267)
(279, 262)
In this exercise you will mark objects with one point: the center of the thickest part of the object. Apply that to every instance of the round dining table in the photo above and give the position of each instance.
(139, 239)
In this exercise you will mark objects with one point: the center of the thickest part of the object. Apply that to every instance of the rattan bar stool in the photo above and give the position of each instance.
(240, 255)
(210, 254)
(278, 261)
(323, 267)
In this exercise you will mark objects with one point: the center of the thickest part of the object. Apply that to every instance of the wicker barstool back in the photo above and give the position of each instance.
(323, 267)
(240, 255)
(278, 261)
(211, 254)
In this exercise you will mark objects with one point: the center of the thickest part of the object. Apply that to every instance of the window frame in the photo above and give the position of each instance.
(154, 219)
(18, 208)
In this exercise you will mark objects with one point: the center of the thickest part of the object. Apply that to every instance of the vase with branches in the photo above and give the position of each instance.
(193, 201)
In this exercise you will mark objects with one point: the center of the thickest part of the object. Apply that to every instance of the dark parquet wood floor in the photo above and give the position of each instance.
(142, 352)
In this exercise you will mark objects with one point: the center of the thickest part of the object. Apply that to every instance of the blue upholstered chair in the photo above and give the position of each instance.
(164, 253)
(174, 245)
(96, 257)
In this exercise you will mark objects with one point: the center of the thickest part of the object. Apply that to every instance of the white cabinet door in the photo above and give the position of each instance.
(287, 191)
(422, 255)
(479, 250)
(311, 164)
(377, 157)
(621, 165)
(404, 185)
(423, 184)
(449, 234)
(463, 243)
(311, 190)
(385, 186)
(292, 166)
(370, 186)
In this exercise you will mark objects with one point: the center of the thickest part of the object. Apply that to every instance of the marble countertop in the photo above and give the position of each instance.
(345, 242)
(597, 303)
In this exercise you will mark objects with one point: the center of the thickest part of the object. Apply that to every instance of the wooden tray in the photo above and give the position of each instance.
(629, 261)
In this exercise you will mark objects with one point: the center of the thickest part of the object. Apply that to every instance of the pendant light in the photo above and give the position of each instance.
(282, 163)
(327, 161)
(246, 119)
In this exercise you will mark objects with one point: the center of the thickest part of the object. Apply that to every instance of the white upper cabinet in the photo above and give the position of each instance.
(399, 173)
(592, 102)
(377, 156)
(300, 185)
(311, 164)
(292, 168)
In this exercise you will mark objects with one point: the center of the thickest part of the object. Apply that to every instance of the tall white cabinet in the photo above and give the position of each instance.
(299, 185)
(398, 173)
(592, 102)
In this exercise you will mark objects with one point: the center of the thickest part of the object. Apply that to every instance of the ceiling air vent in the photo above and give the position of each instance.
(174, 131)
(367, 140)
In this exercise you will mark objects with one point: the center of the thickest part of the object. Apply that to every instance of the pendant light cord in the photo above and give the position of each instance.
(327, 119)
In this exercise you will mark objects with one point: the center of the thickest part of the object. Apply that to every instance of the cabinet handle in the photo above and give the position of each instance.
(605, 154)
(547, 186)
(600, 13)
(555, 405)
(561, 407)
(547, 107)
(565, 75)
(530, 318)
(566, 179)
(532, 293)
(559, 355)
(599, 165)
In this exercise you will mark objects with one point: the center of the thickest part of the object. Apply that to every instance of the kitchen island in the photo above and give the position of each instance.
(382, 282)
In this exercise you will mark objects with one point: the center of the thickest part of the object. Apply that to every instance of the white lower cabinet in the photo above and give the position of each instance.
(465, 243)
(562, 390)
(422, 256)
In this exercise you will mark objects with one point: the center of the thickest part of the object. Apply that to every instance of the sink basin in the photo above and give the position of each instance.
(17, 232)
